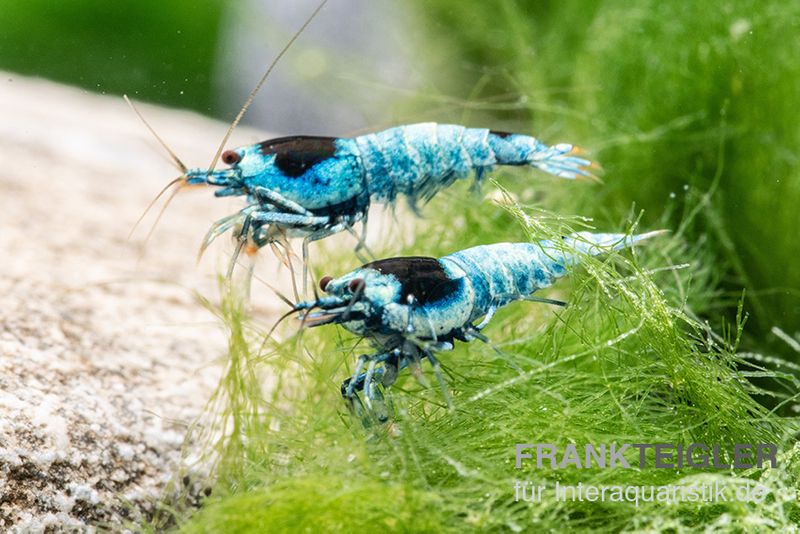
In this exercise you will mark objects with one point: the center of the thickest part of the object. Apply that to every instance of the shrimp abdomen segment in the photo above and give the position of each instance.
(504, 272)
(418, 160)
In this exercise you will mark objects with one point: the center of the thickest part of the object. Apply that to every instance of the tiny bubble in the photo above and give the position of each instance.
(672, 195)
(181, 92)
(685, 187)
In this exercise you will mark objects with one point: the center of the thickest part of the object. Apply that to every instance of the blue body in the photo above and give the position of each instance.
(410, 307)
(450, 294)
(317, 186)
(419, 160)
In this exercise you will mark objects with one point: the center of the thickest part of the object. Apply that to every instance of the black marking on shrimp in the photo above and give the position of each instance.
(500, 134)
(295, 155)
(423, 278)
(349, 207)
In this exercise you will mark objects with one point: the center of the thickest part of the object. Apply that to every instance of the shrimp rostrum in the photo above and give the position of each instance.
(313, 187)
(412, 307)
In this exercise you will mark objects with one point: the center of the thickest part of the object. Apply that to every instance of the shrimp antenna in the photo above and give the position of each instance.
(153, 202)
(175, 159)
(355, 299)
(260, 83)
(278, 294)
(280, 320)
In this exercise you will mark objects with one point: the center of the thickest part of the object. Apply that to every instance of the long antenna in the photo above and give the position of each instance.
(153, 203)
(162, 210)
(263, 79)
(179, 180)
(175, 159)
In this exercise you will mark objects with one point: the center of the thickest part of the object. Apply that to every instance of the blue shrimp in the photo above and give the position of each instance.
(411, 307)
(313, 187)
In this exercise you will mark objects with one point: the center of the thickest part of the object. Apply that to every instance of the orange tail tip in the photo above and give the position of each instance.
(593, 170)
(593, 173)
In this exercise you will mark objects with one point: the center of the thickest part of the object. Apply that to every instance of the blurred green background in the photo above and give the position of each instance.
(158, 51)
(692, 108)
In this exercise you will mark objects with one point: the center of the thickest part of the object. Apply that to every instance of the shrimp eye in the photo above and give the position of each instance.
(356, 285)
(324, 281)
(231, 157)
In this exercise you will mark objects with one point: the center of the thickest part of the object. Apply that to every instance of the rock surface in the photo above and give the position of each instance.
(105, 353)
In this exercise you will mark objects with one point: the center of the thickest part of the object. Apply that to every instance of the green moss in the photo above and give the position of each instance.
(325, 504)
(623, 363)
(668, 94)
(651, 87)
